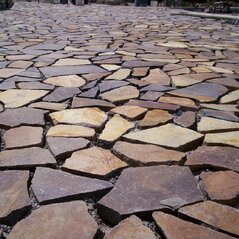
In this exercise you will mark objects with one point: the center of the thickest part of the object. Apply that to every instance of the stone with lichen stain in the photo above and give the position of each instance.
(94, 161)
(64, 220)
(129, 228)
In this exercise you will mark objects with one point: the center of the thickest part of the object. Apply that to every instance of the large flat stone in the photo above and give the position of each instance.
(169, 135)
(26, 158)
(8, 72)
(14, 199)
(61, 220)
(50, 185)
(14, 98)
(147, 154)
(94, 161)
(92, 117)
(217, 215)
(175, 228)
(143, 190)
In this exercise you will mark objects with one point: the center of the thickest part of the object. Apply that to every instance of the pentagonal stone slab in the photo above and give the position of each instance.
(169, 135)
(222, 186)
(92, 117)
(217, 215)
(215, 157)
(142, 190)
(14, 199)
(50, 185)
(14, 98)
(24, 136)
(94, 161)
(203, 92)
(64, 220)
(63, 147)
(129, 228)
(26, 158)
(147, 154)
(22, 116)
(175, 228)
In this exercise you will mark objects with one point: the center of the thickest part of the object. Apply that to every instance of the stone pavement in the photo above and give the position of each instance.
(117, 122)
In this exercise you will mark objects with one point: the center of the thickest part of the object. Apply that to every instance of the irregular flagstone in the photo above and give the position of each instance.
(51, 71)
(230, 98)
(228, 82)
(63, 147)
(71, 131)
(186, 119)
(224, 115)
(203, 92)
(61, 94)
(34, 86)
(138, 63)
(66, 81)
(26, 158)
(143, 190)
(183, 80)
(8, 72)
(158, 77)
(207, 125)
(151, 95)
(120, 74)
(50, 185)
(129, 111)
(71, 62)
(91, 93)
(14, 98)
(227, 138)
(223, 107)
(215, 157)
(184, 102)
(111, 84)
(24, 136)
(115, 128)
(14, 199)
(84, 102)
(153, 105)
(22, 116)
(173, 44)
(140, 71)
(92, 117)
(222, 186)
(155, 118)
(147, 154)
(20, 64)
(121, 94)
(181, 71)
(110, 67)
(129, 228)
(220, 216)
(94, 161)
(168, 135)
(49, 106)
(62, 221)
(95, 76)
(156, 87)
(175, 228)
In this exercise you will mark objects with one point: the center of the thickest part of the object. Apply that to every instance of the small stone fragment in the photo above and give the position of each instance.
(120, 74)
(62, 220)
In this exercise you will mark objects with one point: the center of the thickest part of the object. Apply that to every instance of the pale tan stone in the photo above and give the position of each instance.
(158, 77)
(71, 62)
(173, 44)
(230, 98)
(95, 160)
(8, 72)
(154, 118)
(66, 81)
(115, 128)
(62, 130)
(120, 74)
(169, 135)
(92, 117)
(220, 70)
(129, 111)
(227, 138)
(178, 101)
(226, 107)
(183, 80)
(201, 69)
(49, 106)
(20, 64)
(207, 125)
(111, 67)
(14, 98)
(126, 53)
(121, 94)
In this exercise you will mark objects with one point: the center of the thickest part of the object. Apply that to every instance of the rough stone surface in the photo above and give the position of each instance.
(14, 199)
(186, 119)
(94, 161)
(64, 220)
(141, 190)
(217, 215)
(50, 185)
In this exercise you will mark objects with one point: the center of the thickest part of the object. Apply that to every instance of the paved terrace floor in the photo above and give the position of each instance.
(117, 122)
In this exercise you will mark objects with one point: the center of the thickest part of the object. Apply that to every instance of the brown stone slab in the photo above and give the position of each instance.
(61, 220)
(143, 190)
